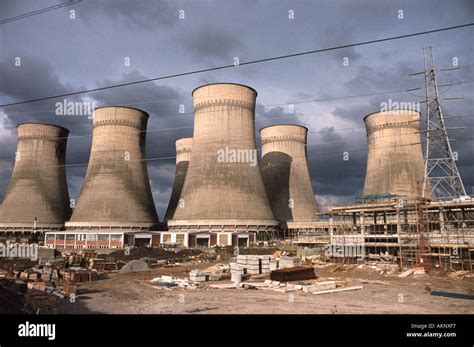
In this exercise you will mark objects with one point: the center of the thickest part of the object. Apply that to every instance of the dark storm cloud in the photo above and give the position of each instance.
(161, 102)
(140, 14)
(213, 44)
(60, 55)
(338, 159)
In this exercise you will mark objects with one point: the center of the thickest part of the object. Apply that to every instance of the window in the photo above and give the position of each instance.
(60, 237)
(50, 237)
(91, 237)
(70, 237)
(166, 238)
(180, 239)
(104, 237)
(115, 237)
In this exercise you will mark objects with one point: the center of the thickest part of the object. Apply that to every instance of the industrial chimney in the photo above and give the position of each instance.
(395, 163)
(38, 188)
(116, 192)
(183, 154)
(285, 173)
(223, 190)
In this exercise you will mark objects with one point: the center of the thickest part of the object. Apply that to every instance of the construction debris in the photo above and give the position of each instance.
(338, 290)
(224, 286)
(293, 274)
(319, 287)
(419, 270)
(406, 273)
(452, 295)
(168, 281)
(460, 274)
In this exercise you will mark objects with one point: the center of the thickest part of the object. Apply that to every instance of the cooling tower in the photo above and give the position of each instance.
(183, 154)
(116, 190)
(38, 186)
(223, 185)
(285, 173)
(395, 160)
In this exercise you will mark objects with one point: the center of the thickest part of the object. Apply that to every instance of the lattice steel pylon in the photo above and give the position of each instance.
(440, 167)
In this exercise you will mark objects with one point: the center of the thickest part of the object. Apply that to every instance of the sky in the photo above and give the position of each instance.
(62, 51)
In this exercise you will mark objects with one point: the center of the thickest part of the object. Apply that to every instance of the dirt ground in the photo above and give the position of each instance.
(133, 293)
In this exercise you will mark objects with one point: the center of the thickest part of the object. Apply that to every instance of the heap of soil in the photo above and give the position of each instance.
(258, 250)
(10, 302)
(18, 264)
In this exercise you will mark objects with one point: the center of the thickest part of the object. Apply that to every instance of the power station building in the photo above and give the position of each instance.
(223, 197)
(223, 193)
(115, 206)
(395, 164)
(37, 198)
(286, 175)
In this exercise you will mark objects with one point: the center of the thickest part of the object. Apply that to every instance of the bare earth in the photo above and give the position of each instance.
(132, 293)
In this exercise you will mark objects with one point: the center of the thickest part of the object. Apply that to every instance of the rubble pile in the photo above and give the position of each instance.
(42, 286)
(169, 281)
(320, 287)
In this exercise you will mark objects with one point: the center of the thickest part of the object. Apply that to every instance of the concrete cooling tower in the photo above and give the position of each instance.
(285, 173)
(116, 191)
(183, 154)
(223, 189)
(395, 160)
(38, 186)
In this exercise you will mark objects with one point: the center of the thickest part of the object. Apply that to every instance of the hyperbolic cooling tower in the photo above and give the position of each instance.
(224, 184)
(285, 173)
(116, 189)
(395, 160)
(38, 186)
(183, 154)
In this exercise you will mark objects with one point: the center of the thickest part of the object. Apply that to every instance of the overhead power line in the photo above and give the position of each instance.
(252, 62)
(40, 11)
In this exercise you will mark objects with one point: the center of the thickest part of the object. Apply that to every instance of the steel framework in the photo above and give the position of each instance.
(440, 166)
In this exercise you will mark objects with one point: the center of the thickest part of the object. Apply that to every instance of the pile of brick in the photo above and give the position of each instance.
(103, 264)
(256, 264)
(79, 275)
(214, 273)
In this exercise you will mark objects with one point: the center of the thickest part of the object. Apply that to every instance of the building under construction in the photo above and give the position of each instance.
(396, 220)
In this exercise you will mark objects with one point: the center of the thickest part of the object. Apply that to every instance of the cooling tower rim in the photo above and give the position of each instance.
(120, 106)
(222, 221)
(224, 83)
(382, 112)
(47, 124)
(108, 225)
(183, 138)
(277, 125)
(39, 225)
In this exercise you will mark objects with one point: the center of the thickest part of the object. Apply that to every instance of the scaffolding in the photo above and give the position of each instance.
(410, 232)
